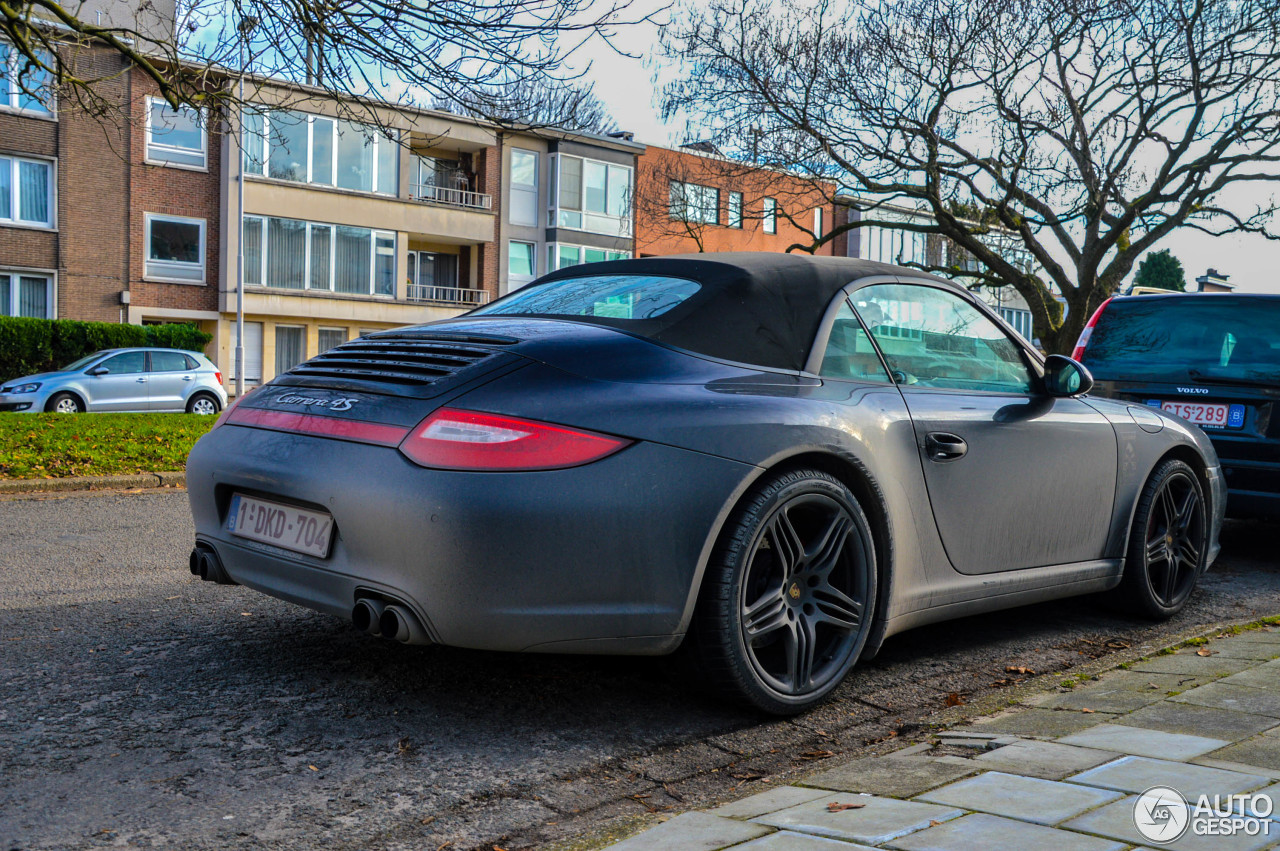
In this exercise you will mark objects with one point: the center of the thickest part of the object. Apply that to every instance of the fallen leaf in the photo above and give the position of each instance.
(427, 820)
(1117, 644)
(816, 754)
(933, 822)
(1089, 711)
(953, 699)
(313, 768)
(1018, 669)
(1152, 685)
(1205, 651)
(836, 806)
(247, 614)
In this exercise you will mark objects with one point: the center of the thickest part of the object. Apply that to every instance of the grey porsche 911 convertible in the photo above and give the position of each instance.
(769, 462)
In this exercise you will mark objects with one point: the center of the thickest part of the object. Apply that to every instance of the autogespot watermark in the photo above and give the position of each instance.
(1162, 815)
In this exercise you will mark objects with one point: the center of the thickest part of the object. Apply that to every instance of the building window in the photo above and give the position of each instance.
(561, 255)
(735, 210)
(23, 87)
(26, 192)
(331, 337)
(175, 248)
(690, 202)
(23, 294)
(303, 148)
(175, 136)
(817, 221)
(291, 347)
(524, 187)
(295, 255)
(252, 353)
(1018, 319)
(770, 215)
(592, 196)
(521, 260)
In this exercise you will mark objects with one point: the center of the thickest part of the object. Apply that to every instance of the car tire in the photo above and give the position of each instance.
(205, 404)
(1167, 543)
(64, 403)
(786, 604)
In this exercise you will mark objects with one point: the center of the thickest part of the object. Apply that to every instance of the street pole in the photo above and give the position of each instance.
(246, 26)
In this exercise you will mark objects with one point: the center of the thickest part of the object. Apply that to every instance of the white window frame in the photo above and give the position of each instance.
(15, 187)
(701, 204)
(734, 212)
(524, 189)
(161, 149)
(770, 216)
(261, 221)
(379, 139)
(155, 270)
(817, 221)
(9, 99)
(617, 225)
(50, 290)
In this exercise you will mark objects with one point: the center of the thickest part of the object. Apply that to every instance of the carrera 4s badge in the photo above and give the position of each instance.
(340, 404)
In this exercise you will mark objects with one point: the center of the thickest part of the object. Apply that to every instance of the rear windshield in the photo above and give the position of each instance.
(1227, 338)
(616, 297)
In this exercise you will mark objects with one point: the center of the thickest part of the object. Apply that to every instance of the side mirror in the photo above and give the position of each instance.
(99, 370)
(1066, 377)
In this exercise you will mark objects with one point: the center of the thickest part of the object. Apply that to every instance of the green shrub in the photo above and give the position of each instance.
(29, 346)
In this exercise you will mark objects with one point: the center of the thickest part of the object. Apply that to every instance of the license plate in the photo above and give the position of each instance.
(287, 526)
(1213, 414)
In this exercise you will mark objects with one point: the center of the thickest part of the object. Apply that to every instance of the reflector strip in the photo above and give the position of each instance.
(353, 430)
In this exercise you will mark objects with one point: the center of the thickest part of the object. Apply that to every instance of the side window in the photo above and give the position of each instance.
(933, 338)
(191, 362)
(850, 354)
(168, 362)
(127, 363)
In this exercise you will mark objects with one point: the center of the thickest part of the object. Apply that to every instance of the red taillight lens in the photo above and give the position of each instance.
(1086, 333)
(451, 439)
(217, 373)
(226, 412)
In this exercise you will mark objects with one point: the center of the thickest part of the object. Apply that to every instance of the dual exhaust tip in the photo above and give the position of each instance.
(206, 564)
(388, 620)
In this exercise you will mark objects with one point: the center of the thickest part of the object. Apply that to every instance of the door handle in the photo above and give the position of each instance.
(186, 378)
(942, 446)
(142, 381)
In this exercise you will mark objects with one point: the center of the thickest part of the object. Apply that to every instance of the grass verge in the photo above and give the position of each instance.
(53, 446)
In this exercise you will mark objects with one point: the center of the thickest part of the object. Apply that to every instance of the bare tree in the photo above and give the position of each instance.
(566, 104)
(410, 52)
(1090, 129)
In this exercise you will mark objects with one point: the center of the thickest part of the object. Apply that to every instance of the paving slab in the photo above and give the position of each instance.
(1193, 719)
(785, 840)
(1147, 682)
(1101, 697)
(1047, 760)
(1255, 701)
(692, 832)
(767, 802)
(1190, 663)
(1233, 649)
(981, 832)
(1116, 821)
(1042, 723)
(1263, 751)
(879, 820)
(895, 776)
(1136, 740)
(1263, 676)
(1136, 774)
(1024, 798)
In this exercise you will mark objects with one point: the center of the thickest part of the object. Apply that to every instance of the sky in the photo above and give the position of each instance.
(626, 85)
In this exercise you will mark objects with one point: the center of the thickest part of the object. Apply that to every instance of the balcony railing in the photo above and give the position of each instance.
(434, 194)
(447, 295)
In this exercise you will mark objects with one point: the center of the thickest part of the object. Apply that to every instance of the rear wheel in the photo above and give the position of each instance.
(203, 404)
(65, 403)
(786, 605)
(1167, 543)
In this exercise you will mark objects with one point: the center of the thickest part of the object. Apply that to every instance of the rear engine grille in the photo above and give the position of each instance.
(406, 361)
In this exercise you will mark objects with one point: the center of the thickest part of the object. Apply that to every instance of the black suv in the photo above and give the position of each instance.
(1213, 359)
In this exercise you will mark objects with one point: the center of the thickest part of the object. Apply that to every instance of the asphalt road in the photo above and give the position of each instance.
(141, 708)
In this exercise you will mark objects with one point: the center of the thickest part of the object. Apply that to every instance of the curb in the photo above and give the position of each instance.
(176, 479)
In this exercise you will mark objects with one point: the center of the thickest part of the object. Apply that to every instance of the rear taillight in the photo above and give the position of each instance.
(217, 373)
(226, 412)
(452, 439)
(1086, 334)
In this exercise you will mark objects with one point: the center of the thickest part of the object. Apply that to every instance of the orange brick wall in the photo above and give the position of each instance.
(658, 234)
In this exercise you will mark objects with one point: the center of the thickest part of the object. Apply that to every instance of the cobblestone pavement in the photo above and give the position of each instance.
(1061, 771)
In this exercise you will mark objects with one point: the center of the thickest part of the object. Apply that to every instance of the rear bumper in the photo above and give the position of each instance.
(600, 558)
(1217, 499)
(1253, 487)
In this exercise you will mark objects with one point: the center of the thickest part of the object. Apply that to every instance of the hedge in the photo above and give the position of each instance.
(28, 346)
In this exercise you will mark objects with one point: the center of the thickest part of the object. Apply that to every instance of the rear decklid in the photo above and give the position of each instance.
(1212, 359)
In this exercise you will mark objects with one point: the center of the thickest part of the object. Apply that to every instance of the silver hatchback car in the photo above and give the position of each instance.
(145, 379)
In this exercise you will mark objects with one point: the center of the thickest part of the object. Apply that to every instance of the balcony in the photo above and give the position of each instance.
(432, 193)
(460, 296)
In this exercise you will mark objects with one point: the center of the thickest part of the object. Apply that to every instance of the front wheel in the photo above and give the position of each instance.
(1167, 543)
(203, 404)
(786, 605)
(65, 403)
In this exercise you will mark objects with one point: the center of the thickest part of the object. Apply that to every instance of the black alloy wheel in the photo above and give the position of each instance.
(787, 605)
(1167, 545)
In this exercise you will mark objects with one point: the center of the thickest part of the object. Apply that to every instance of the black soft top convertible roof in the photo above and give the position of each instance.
(753, 307)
